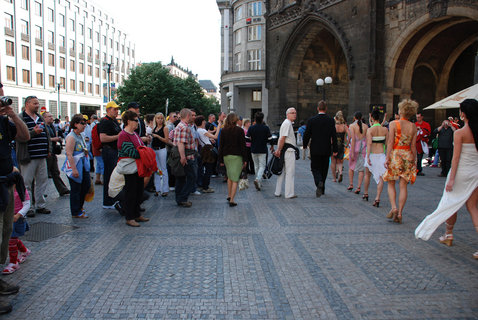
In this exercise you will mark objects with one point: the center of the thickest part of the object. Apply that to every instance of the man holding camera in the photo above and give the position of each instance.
(9, 130)
(32, 154)
(445, 146)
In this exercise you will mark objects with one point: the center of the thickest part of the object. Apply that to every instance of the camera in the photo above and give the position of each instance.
(5, 101)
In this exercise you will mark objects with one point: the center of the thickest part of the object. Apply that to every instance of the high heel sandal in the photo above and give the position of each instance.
(365, 197)
(447, 239)
(376, 203)
(350, 188)
(398, 219)
(341, 176)
(357, 191)
(475, 255)
(392, 214)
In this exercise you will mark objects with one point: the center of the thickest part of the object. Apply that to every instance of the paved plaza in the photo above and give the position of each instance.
(334, 257)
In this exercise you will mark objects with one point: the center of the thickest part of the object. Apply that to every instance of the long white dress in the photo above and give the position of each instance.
(466, 181)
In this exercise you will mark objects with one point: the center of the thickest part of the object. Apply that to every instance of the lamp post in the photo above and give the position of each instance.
(229, 98)
(321, 85)
(107, 67)
(58, 85)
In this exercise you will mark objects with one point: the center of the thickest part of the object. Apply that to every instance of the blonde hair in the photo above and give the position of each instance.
(408, 108)
(339, 118)
(157, 116)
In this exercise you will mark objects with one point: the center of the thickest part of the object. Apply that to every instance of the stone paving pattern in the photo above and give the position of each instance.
(334, 257)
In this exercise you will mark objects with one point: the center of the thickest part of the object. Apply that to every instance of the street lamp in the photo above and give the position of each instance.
(58, 86)
(229, 97)
(321, 85)
(107, 67)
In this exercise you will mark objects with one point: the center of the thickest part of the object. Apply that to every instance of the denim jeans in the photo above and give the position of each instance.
(259, 160)
(187, 183)
(205, 171)
(78, 193)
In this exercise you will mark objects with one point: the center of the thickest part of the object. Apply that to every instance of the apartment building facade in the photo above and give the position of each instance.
(67, 53)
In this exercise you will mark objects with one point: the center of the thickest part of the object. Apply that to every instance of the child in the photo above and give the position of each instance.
(16, 249)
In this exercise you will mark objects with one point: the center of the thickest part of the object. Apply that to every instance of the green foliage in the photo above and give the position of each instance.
(151, 84)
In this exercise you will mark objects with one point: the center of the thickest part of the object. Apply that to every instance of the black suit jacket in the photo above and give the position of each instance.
(321, 129)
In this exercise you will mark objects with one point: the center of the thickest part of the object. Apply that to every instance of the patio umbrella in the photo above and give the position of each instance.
(454, 100)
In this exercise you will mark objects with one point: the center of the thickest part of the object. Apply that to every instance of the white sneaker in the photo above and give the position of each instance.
(172, 188)
(11, 268)
(22, 256)
(109, 207)
(196, 193)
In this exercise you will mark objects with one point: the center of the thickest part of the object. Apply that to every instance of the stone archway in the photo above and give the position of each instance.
(314, 51)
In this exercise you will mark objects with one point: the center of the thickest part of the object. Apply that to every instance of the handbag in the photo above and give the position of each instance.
(243, 182)
(57, 148)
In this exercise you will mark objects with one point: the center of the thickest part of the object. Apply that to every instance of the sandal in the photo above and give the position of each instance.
(398, 219)
(392, 214)
(11, 268)
(22, 256)
(365, 197)
(357, 191)
(350, 188)
(340, 177)
(376, 203)
(447, 239)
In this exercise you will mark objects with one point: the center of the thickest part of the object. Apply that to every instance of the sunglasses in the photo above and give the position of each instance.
(83, 122)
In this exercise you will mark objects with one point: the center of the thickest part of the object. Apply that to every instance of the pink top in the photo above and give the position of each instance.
(248, 144)
(128, 137)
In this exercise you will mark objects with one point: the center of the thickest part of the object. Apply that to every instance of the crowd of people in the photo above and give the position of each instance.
(130, 155)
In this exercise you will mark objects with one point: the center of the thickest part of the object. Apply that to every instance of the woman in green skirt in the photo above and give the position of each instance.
(232, 154)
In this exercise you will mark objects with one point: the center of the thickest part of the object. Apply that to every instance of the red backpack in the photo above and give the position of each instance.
(95, 141)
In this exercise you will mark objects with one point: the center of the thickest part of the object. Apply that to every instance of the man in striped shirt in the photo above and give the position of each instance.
(38, 149)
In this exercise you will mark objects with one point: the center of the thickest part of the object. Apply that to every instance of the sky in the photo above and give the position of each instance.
(188, 30)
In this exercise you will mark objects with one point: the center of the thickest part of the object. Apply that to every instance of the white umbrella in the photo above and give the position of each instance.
(454, 100)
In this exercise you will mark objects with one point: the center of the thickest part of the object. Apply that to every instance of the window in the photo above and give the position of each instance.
(104, 56)
(72, 44)
(82, 48)
(104, 74)
(39, 55)
(51, 37)
(117, 77)
(90, 33)
(97, 72)
(117, 45)
(82, 29)
(237, 36)
(90, 70)
(62, 63)
(51, 15)
(97, 36)
(238, 14)
(10, 73)
(254, 33)
(25, 53)
(97, 54)
(72, 84)
(62, 20)
(72, 25)
(8, 21)
(24, 25)
(63, 82)
(111, 43)
(237, 61)
(51, 59)
(90, 88)
(90, 52)
(38, 11)
(97, 89)
(51, 81)
(81, 66)
(62, 41)
(10, 48)
(122, 48)
(38, 32)
(72, 65)
(104, 40)
(132, 53)
(254, 9)
(26, 76)
(256, 95)
(24, 5)
(39, 78)
(82, 86)
(254, 59)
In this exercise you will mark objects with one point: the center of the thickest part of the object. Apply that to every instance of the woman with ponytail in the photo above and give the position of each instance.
(462, 181)
(358, 148)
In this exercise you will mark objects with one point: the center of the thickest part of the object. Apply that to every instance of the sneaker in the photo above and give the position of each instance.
(31, 213)
(109, 207)
(213, 176)
(22, 256)
(11, 268)
(5, 307)
(196, 193)
(43, 211)
(172, 188)
(257, 185)
(6, 288)
(208, 190)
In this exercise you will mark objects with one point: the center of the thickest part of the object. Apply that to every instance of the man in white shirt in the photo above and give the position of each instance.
(286, 140)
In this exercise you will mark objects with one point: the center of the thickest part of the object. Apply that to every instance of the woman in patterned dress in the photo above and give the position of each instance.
(401, 160)
(358, 150)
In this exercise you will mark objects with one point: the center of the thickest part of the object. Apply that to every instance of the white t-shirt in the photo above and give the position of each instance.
(203, 140)
(287, 130)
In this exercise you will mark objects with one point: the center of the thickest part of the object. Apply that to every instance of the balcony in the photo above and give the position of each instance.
(25, 37)
(90, 59)
(72, 52)
(117, 68)
(62, 50)
(51, 46)
(97, 61)
(39, 42)
(81, 56)
(9, 32)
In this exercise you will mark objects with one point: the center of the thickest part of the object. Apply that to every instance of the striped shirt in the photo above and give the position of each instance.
(38, 144)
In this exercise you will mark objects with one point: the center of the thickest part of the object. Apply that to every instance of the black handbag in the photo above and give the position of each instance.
(57, 148)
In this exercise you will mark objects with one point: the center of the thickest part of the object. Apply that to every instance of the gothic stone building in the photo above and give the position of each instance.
(376, 51)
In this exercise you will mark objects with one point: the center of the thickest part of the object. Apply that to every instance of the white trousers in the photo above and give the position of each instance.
(161, 182)
(259, 160)
(288, 173)
(36, 169)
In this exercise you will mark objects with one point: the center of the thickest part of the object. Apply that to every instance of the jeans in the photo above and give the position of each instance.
(185, 184)
(100, 166)
(78, 193)
(259, 160)
(161, 182)
(110, 158)
(205, 171)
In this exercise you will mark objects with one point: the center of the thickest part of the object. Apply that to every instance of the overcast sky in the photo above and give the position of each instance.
(188, 30)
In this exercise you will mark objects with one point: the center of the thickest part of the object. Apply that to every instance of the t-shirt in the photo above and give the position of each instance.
(110, 127)
(8, 131)
(259, 134)
(38, 144)
(287, 130)
(203, 139)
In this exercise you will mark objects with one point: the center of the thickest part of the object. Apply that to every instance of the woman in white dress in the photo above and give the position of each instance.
(375, 159)
(462, 181)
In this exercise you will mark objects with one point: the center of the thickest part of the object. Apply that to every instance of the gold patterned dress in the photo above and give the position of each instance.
(402, 163)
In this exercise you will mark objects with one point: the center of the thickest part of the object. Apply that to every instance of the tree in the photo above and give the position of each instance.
(150, 84)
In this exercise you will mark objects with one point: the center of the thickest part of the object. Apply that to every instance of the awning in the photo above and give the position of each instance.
(454, 100)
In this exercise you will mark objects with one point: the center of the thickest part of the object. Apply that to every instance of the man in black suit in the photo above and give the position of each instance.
(321, 130)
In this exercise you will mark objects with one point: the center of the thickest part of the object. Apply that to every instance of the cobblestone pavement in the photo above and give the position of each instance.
(334, 257)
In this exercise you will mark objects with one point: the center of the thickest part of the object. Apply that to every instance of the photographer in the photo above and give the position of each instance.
(9, 129)
(445, 146)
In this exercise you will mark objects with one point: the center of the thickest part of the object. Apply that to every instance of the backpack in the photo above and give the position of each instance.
(95, 141)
